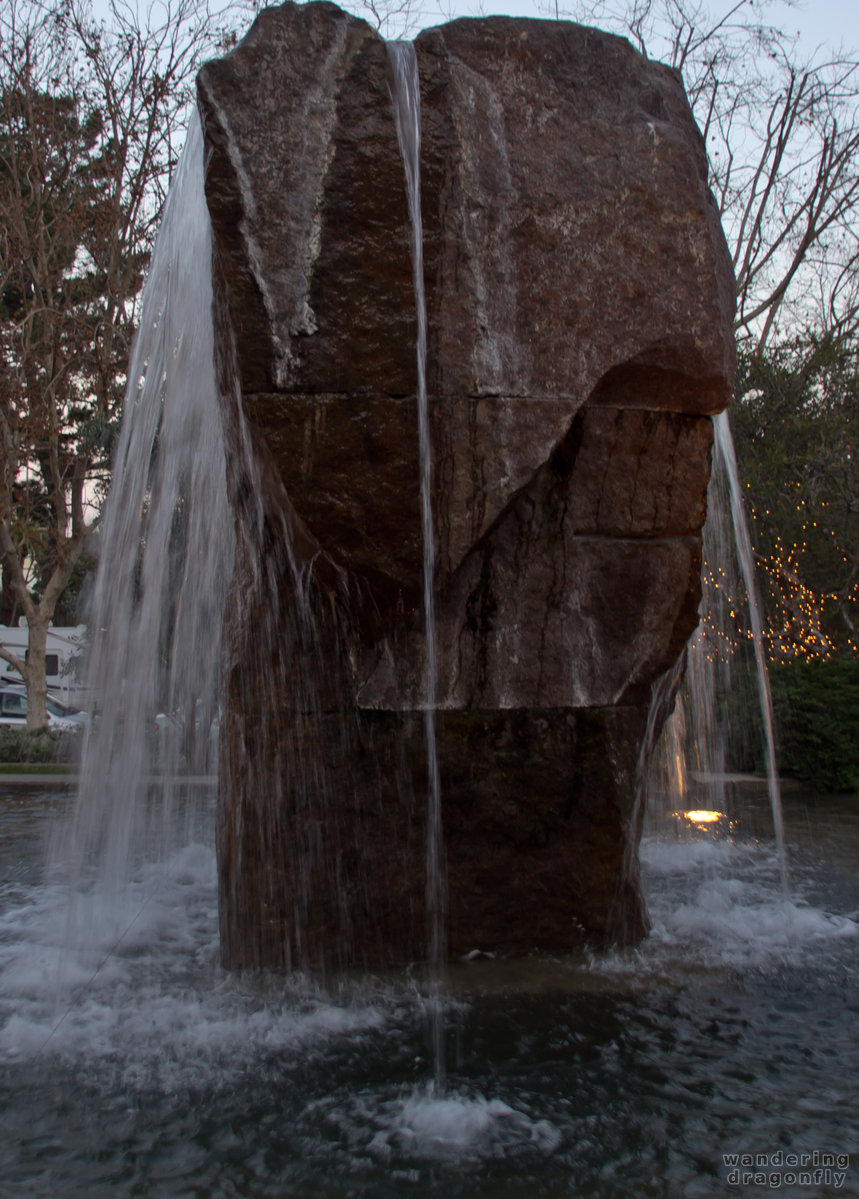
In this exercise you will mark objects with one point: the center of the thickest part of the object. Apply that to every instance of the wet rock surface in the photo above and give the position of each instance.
(579, 301)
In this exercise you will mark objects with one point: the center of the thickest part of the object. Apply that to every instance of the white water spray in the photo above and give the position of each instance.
(406, 100)
(166, 550)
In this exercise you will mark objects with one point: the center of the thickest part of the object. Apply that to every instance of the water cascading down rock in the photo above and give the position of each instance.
(579, 297)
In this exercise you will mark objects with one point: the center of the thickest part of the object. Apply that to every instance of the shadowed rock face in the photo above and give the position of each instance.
(579, 299)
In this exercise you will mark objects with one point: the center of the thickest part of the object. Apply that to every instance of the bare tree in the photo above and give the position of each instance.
(90, 116)
(392, 18)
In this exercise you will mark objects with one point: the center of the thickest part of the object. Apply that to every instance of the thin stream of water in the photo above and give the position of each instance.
(405, 97)
(724, 444)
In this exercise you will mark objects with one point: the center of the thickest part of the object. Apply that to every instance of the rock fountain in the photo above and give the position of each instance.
(579, 300)
(569, 401)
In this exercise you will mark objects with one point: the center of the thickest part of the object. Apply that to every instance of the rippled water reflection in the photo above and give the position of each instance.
(133, 1066)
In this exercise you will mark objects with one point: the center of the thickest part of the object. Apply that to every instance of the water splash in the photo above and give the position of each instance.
(426, 1127)
(406, 100)
(166, 548)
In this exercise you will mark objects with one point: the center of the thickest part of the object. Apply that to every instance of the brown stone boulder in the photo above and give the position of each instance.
(579, 298)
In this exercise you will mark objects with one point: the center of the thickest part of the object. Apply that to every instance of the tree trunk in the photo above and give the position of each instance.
(8, 599)
(37, 686)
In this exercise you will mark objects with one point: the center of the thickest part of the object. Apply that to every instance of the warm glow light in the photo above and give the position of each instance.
(702, 816)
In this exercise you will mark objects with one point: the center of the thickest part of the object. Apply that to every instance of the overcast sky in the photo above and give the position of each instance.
(817, 22)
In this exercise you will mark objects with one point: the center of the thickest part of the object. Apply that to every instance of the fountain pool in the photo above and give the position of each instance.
(137, 1066)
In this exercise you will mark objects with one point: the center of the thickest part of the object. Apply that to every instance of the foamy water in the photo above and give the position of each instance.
(722, 904)
(132, 1063)
(132, 995)
(140, 980)
(140, 975)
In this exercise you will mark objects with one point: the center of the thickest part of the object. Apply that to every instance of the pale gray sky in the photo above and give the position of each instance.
(818, 22)
(832, 23)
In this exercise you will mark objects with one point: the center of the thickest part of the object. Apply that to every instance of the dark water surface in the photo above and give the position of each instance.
(131, 1066)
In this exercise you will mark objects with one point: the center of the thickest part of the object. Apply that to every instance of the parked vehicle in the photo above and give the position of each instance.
(13, 711)
(63, 657)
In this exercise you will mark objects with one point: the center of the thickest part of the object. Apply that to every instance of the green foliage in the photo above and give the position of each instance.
(796, 426)
(47, 746)
(817, 714)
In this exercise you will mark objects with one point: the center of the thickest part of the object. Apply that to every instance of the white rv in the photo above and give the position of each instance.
(63, 658)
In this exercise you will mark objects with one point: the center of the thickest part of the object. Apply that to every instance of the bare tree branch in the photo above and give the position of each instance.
(90, 109)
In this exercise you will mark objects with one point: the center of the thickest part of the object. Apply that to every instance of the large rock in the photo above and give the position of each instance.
(579, 299)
